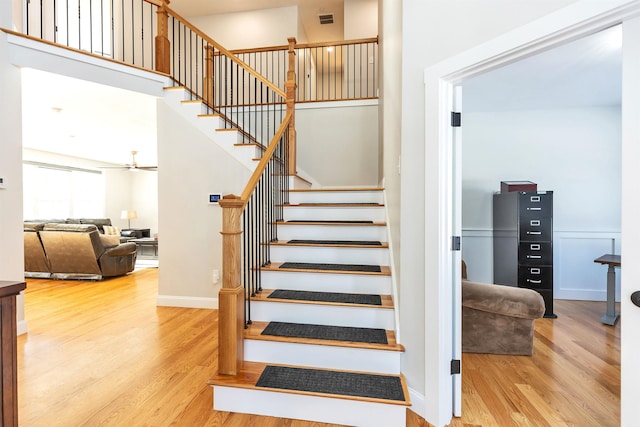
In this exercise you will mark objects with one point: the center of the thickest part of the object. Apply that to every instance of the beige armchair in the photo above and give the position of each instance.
(498, 319)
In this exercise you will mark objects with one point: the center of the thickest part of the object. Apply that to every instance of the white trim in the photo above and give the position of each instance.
(392, 267)
(418, 402)
(22, 328)
(24, 52)
(572, 22)
(186, 302)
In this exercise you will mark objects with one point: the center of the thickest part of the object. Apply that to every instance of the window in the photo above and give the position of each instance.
(61, 192)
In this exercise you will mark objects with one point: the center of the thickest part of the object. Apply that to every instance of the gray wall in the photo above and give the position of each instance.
(574, 152)
(338, 142)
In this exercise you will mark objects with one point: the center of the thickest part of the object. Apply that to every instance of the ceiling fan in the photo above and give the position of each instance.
(133, 165)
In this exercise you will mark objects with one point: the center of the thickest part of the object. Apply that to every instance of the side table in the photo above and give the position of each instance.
(9, 354)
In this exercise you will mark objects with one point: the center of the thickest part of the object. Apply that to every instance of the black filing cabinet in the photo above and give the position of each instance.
(523, 242)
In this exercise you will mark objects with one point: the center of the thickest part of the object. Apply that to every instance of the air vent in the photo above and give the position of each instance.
(326, 18)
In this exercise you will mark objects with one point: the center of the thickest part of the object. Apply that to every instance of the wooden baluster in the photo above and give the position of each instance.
(290, 86)
(231, 296)
(163, 46)
(208, 76)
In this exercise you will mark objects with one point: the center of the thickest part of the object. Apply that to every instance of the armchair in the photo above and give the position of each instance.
(498, 319)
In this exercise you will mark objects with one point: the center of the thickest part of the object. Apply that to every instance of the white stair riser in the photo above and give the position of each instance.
(298, 183)
(303, 407)
(332, 232)
(193, 109)
(175, 95)
(323, 356)
(336, 197)
(372, 256)
(375, 214)
(327, 282)
(322, 314)
(209, 124)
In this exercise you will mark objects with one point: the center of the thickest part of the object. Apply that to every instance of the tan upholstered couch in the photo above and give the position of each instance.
(498, 319)
(74, 251)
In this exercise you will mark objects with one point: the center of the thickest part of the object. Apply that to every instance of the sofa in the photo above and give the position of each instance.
(498, 319)
(74, 251)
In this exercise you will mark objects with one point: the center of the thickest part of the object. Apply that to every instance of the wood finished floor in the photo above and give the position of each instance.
(102, 354)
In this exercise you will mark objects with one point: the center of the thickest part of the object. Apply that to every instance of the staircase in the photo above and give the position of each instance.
(321, 345)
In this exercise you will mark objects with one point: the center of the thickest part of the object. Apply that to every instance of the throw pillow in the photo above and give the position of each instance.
(111, 230)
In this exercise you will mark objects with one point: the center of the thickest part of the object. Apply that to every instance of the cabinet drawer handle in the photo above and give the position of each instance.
(534, 247)
(534, 256)
(535, 282)
(534, 233)
(534, 209)
(534, 223)
(535, 199)
(534, 271)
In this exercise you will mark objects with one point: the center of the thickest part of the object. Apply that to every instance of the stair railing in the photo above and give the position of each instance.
(327, 71)
(149, 34)
(249, 224)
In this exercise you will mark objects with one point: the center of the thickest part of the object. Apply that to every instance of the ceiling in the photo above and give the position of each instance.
(308, 11)
(92, 121)
(584, 73)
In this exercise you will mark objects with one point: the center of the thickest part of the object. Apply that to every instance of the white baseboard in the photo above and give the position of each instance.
(418, 403)
(22, 327)
(186, 302)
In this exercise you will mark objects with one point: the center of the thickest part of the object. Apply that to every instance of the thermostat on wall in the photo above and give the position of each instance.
(214, 197)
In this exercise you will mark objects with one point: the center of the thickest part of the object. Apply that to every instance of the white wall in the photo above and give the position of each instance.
(338, 142)
(257, 28)
(190, 246)
(11, 234)
(360, 19)
(433, 31)
(573, 152)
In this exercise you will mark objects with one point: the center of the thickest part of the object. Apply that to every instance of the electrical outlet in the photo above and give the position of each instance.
(216, 276)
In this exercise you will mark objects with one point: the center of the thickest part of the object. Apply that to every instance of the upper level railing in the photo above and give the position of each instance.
(148, 34)
(329, 71)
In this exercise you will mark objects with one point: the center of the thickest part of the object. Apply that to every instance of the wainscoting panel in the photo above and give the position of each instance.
(575, 275)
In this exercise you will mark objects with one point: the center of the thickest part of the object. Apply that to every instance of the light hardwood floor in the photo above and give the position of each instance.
(102, 354)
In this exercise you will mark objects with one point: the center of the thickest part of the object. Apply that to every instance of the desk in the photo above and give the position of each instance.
(612, 261)
(147, 242)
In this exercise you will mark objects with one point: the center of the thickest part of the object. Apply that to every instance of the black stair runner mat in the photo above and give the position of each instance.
(337, 221)
(337, 242)
(325, 332)
(365, 299)
(332, 382)
(331, 267)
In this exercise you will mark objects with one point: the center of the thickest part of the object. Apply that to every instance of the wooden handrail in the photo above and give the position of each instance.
(304, 46)
(266, 157)
(226, 52)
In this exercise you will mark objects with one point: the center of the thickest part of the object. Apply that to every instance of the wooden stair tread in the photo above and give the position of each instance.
(387, 301)
(250, 372)
(385, 270)
(383, 245)
(254, 332)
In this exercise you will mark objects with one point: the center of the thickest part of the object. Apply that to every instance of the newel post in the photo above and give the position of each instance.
(208, 75)
(163, 47)
(231, 296)
(290, 86)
